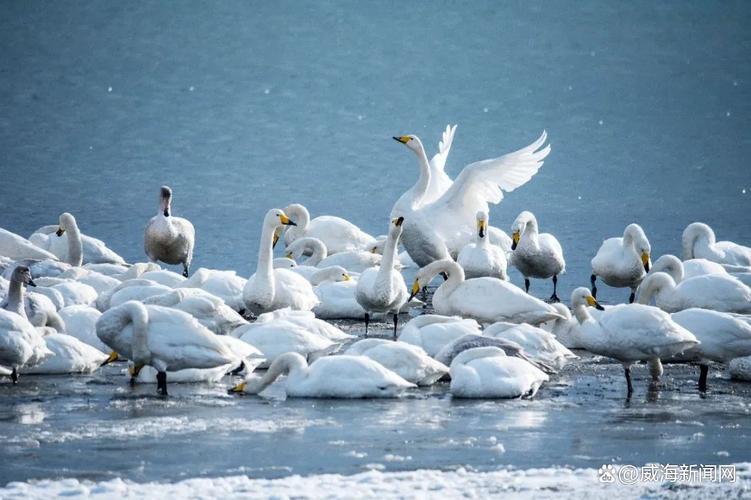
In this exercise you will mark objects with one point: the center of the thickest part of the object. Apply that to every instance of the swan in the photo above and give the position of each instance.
(166, 339)
(99, 282)
(226, 285)
(21, 344)
(433, 332)
(480, 258)
(68, 226)
(80, 322)
(137, 269)
(695, 267)
(382, 289)
(38, 308)
(355, 261)
(536, 255)
(17, 248)
(69, 355)
(93, 251)
(275, 339)
(438, 230)
(565, 328)
(711, 291)
(740, 368)
(699, 241)
(722, 337)
(133, 289)
(339, 235)
(164, 277)
(307, 245)
(433, 181)
(209, 310)
(406, 360)
(487, 372)
(112, 270)
(539, 345)
(487, 300)
(629, 332)
(336, 299)
(169, 239)
(329, 377)
(73, 292)
(622, 262)
(269, 289)
(303, 319)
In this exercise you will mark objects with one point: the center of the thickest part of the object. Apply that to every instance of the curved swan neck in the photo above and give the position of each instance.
(452, 269)
(698, 234)
(289, 363)
(319, 251)
(581, 314)
(137, 314)
(14, 301)
(389, 254)
(75, 244)
(421, 186)
(653, 286)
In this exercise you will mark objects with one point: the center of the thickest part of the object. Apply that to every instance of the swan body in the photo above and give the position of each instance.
(330, 377)
(112, 270)
(39, 268)
(406, 360)
(536, 255)
(306, 320)
(99, 282)
(138, 269)
(699, 241)
(539, 345)
(21, 344)
(698, 267)
(134, 289)
(565, 328)
(440, 229)
(711, 291)
(17, 248)
(487, 300)
(629, 332)
(622, 262)
(339, 235)
(70, 355)
(93, 251)
(209, 310)
(270, 289)
(480, 258)
(721, 336)
(169, 239)
(355, 261)
(432, 332)
(164, 277)
(487, 372)
(73, 292)
(80, 322)
(226, 285)
(336, 300)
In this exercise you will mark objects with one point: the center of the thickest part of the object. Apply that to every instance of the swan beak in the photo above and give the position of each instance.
(415, 290)
(592, 302)
(373, 250)
(286, 220)
(290, 255)
(404, 139)
(238, 388)
(31, 282)
(112, 357)
(59, 231)
(645, 260)
(398, 221)
(347, 277)
(515, 236)
(482, 227)
(275, 240)
(135, 370)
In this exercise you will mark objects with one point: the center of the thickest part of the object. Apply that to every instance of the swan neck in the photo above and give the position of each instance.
(421, 186)
(389, 255)
(75, 246)
(454, 271)
(14, 301)
(286, 364)
(581, 314)
(319, 252)
(138, 315)
(265, 269)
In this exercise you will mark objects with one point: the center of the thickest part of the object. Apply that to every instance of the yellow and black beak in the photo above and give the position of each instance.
(59, 231)
(238, 388)
(289, 255)
(112, 358)
(286, 220)
(346, 277)
(404, 139)
(645, 260)
(415, 289)
(398, 221)
(515, 237)
(482, 228)
(135, 370)
(592, 302)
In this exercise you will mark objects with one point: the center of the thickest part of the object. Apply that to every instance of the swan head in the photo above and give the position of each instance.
(395, 228)
(669, 264)
(583, 297)
(333, 273)
(652, 285)
(377, 247)
(67, 222)
(165, 199)
(411, 141)
(22, 274)
(482, 223)
(635, 234)
(519, 226)
(693, 232)
(277, 218)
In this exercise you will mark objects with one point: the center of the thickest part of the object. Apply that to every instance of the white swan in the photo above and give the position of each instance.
(696, 267)
(80, 322)
(439, 230)
(209, 310)
(722, 337)
(699, 241)
(406, 360)
(67, 227)
(337, 298)
(70, 355)
(740, 368)
(330, 377)
(382, 289)
(93, 251)
(711, 291)
(302, 319)
(433, 332)
(480, 258)
(166, 339)
(432, 181)
(98, 281)
(541, 346)
(565, 328)
(622, 262)
(536, 255)
(73, 292)
(629, 332)
(38, 308)
(471, 341)
(21, 344)
(112, 270)
(18, 248)
(269, 289)
(339, 235)
(133, 289)
(226, 285)
(169, 239)
(487, 300)
(486, 372)
(164, 277)
(355, 261)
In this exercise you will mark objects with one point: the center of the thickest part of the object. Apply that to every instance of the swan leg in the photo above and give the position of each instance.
(161, 383)
(14, 376)
(526, 285)
(592, 280)
(396, 321)
(554, 297)
(367, 321)
(627, 371)
(632, 297)
(186, 268)
(703, 372)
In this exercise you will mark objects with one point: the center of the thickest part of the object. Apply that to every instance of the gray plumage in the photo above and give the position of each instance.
(169, 239)
(470, 341)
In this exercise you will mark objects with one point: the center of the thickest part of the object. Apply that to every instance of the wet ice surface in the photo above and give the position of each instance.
(98, 427)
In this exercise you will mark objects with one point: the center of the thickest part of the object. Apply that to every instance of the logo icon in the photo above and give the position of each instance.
(606, 474)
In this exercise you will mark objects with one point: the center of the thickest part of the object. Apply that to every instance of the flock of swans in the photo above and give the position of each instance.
(70, 304)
